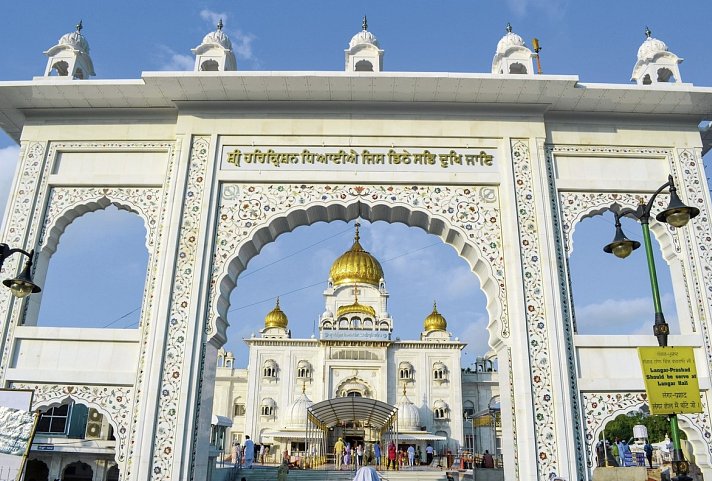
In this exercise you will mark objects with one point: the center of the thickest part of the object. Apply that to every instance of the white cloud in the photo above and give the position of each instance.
(623, 316)
(169, 59)
(8, 162)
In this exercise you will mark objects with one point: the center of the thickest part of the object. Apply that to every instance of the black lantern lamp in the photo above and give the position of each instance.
(22, 285)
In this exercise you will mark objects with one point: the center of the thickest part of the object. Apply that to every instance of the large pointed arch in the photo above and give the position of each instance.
(467, 218)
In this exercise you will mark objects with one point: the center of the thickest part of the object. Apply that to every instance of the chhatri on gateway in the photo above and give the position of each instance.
(218, 162)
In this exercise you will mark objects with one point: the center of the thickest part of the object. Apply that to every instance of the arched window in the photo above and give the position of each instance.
(665, 75)
(209, 66)
(517, 68)
(367, 323)
(354, 394)
(441, 411)
(405, 371)
(304, 370)
(364, 66)
(269, 369)
(267, 407)
(440, 372)
(238, 407)
(60, 68)
(468, 409)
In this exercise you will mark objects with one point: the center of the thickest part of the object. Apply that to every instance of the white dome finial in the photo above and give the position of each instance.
(655, 63)
(70, 57)
(215, 52)
(512, 55)
(364, 54)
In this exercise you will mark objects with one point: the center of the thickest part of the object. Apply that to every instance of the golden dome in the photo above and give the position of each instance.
(356, 265)
(276, 318)
(435, 321)
(355, 308)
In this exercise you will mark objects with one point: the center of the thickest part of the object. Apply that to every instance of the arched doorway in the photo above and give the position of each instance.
(113, 473)
(77, 471)
(36, 470)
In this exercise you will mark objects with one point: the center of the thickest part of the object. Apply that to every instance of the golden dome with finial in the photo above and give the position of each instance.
(356, 265)
(435, 321)
(276, 318)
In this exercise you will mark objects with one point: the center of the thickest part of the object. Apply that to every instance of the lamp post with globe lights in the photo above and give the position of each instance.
(22, 285)
(677, 215)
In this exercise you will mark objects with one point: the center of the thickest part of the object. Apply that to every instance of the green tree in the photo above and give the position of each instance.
(622, 426)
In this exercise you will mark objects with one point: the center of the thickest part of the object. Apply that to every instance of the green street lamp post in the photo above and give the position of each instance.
(22, 285)
(677, 215)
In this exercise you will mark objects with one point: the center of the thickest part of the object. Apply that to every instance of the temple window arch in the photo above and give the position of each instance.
(517, 68)
(60, 68)
(363, 66)
(405, 371)
(209, 65)
(304, 370)
(267, 407)
(665, 75)
(440, 372)
(441, 411)
(238, 407)
(269, 369)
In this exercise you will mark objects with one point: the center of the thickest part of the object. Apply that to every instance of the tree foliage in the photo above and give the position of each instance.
(622, 426)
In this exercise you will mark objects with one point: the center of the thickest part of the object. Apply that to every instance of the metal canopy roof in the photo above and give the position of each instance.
(370, 411)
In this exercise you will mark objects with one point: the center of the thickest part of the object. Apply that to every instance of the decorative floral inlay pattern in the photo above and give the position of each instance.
(170, 402)
(692, 173)
(536, 320)
(568, 322)
(18, 218)
(474, 211)
(145, 201)
(112, 401)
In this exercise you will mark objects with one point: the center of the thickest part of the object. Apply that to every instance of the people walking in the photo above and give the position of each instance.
(411, 456)
(339, 453)
(487, 460)
(648, 448)
(249, 454)
(429, 454)
(377, 453)
(392, 456)
(359, 455)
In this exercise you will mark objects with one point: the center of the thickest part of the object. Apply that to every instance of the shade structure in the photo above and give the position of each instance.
(221, 421)
(374, 413)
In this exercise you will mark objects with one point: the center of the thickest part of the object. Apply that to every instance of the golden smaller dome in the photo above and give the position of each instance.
(355, 308)
(276, 318)
(356, 265)
(435, 321)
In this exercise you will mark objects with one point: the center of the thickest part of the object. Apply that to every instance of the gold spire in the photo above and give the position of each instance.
(435, 321)
(356, 265)
(276, 317)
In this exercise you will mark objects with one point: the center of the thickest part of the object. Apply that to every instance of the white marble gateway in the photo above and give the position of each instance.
(560, 151)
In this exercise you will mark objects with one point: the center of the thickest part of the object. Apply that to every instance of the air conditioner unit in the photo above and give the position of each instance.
(94, 422)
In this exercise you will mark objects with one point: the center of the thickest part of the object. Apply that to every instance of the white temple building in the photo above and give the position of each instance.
(355, 355)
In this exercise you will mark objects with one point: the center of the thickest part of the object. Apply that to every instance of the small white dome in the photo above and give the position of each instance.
(650, 47)
(364, 37)
(408, 415)
(509, 40)
(327, 314)
(296, 415)
(218, 37)
(75, 40)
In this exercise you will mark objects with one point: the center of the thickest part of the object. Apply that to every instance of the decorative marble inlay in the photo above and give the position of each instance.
(537, 324)
(698, 235)
(568, 321)
(473, 211)
(33, 170)
(114, 402)
(67, 203)
(171, 399)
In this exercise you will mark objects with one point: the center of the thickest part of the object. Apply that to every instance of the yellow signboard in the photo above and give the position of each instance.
(670, 379)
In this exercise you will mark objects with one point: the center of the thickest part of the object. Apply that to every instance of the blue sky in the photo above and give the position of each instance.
(596, 40)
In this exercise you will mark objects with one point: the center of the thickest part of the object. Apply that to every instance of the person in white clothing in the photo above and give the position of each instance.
(411, 455)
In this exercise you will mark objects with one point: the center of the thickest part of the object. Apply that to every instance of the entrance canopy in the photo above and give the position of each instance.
(370, 412)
